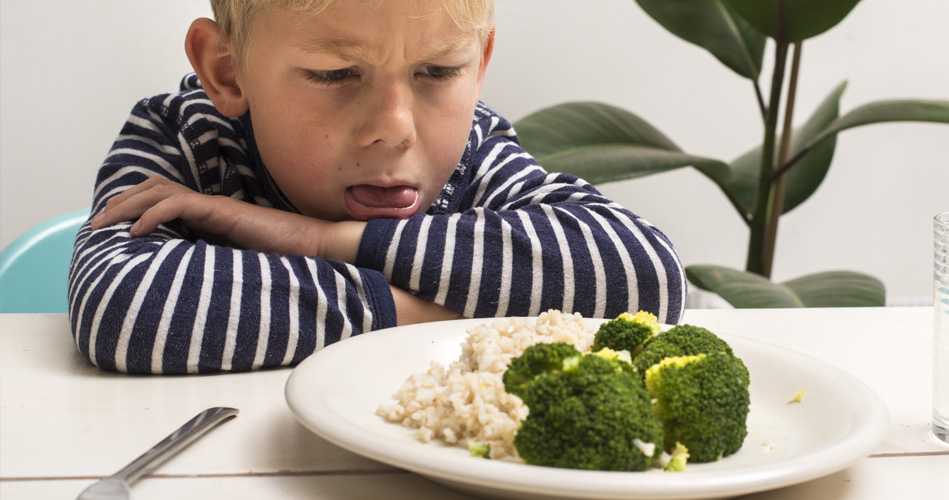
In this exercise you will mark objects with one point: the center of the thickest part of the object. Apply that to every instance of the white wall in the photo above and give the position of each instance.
(70, 72)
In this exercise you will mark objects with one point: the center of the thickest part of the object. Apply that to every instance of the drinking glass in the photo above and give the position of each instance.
(941, 327)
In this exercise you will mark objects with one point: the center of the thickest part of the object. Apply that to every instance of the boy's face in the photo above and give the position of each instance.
(364, 110)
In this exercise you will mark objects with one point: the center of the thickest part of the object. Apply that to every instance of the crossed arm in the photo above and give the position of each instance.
(230, 222)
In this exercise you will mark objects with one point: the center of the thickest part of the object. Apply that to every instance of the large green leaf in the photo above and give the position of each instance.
(838, 289)
(714, 26)
(741, 289)
(828, 289)
(900, 110)
(810, 170)
(798, 19)
(600, 143)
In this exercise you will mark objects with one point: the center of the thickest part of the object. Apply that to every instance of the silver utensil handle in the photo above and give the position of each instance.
(175, 442)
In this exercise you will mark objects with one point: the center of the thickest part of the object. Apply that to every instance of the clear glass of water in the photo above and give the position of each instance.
(941, 327)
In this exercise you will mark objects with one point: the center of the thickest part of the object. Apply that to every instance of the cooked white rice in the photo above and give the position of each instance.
(466, 401)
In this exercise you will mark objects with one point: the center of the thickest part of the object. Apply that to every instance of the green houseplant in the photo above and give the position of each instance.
(604, 143)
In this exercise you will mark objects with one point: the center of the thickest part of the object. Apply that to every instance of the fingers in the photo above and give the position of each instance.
(223, 220)
(138, 200)
(192, 207)
(145, 185)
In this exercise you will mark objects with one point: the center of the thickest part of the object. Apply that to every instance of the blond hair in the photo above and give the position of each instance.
(234, 17)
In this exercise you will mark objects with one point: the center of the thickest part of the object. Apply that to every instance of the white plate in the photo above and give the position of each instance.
(336, 392)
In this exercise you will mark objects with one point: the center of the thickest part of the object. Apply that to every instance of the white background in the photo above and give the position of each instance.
(70, 71)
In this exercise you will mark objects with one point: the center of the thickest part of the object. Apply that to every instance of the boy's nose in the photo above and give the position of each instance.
(388, 120)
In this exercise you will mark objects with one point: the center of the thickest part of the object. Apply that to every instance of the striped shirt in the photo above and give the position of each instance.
(503, 238)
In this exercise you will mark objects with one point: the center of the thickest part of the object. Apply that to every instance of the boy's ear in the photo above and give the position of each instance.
(216, 66)
(486, 57)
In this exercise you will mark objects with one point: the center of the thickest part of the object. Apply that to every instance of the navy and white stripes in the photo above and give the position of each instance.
(504, 238)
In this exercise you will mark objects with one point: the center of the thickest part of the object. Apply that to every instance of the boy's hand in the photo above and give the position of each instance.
(412, 310)
(231, 222)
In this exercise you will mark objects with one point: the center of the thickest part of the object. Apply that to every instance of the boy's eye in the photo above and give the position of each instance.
(331, 77)
(441, 72)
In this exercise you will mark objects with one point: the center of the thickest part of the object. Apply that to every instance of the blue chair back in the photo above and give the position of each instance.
(34, 268)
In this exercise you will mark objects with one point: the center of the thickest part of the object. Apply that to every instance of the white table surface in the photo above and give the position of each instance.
(65, 423)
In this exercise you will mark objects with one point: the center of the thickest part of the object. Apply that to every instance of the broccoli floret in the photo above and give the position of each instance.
(682, 340)
(702, 402)
(620, 360)
(479, 450)
(675, 461)
(535, 361)
(626, 333)
(594, 414)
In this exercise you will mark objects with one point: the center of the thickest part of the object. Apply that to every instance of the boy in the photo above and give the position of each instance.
(329, 171)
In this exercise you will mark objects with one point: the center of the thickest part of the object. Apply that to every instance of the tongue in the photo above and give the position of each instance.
(384, 197)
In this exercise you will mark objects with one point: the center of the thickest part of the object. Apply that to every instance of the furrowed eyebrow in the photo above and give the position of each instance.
(350, 51)
(343, 50)
(451, 48)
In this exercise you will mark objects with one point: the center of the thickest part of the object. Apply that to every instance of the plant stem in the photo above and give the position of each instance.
(784, 167)
(760, 99)
(777, 186)
(759, 213)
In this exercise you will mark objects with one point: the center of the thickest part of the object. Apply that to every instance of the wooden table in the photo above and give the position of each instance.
(64, 423)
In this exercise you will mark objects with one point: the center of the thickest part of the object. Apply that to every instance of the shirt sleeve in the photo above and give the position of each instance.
(523, 241)
(170, 303)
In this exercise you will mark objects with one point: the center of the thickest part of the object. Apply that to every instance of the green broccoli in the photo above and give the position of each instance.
(536, 360)
(677, 460)
(591, 413)
(702, 402)
(682, 340)
(627, 332)
(479, 450)
(621, 360)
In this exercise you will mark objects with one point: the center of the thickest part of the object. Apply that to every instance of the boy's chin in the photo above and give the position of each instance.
(371, 202)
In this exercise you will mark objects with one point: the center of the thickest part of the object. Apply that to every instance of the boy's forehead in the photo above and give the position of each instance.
(354, 15)
(338, 32)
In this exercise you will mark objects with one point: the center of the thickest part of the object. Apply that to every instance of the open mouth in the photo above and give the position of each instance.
(366, 202)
